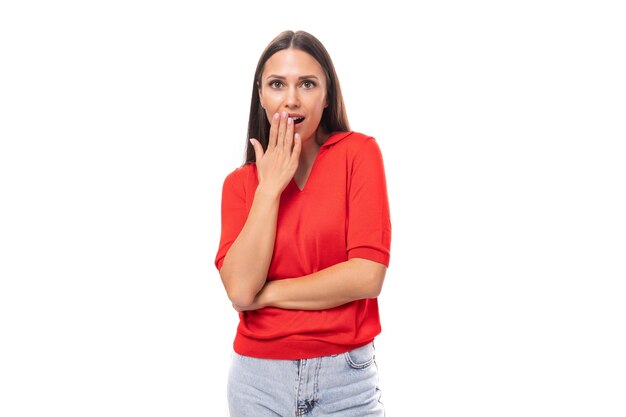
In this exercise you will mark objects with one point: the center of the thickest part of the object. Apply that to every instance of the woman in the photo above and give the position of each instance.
(304, 245)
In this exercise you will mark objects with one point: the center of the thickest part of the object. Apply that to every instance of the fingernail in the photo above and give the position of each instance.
(284, 114)
(289, 121)
(252, 141)
(275, 116)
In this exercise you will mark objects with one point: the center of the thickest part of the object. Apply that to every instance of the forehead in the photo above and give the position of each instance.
(292, 63)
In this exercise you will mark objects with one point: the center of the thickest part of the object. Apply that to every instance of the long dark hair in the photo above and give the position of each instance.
(334, 117)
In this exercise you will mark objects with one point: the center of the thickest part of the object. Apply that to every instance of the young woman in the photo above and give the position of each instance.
(305, 245)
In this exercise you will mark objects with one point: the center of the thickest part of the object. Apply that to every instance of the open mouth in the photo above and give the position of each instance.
(297, 118)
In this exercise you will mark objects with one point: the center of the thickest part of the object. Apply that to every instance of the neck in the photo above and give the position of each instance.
(311, 147)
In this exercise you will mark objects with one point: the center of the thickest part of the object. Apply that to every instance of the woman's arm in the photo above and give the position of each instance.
(247, 262)
(339, 284)
(368, 242)
(245, 266)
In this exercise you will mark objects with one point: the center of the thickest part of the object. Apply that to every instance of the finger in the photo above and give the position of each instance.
(282, 127)
(297, 147)
(273, 131)
(288, 144)
(258, 149)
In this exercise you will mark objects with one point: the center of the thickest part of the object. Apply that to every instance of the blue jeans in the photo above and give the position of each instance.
(342, 385)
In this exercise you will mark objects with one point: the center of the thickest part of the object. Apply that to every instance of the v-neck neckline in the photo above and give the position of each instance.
(308, 178)
(332, 139)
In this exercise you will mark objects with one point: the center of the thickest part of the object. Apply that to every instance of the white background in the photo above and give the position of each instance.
(502, 127)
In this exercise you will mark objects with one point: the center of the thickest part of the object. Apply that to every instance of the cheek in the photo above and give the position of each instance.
(320, 102)
(270, 103)
(265, 100)
(319, 107)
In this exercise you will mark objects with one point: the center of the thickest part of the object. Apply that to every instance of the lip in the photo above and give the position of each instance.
(294, 116)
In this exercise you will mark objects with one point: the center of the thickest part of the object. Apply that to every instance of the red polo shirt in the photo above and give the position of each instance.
(342, 213)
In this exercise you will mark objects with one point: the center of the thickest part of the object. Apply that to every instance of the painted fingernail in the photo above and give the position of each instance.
(276, 116)
(289, 121)
(284, 114)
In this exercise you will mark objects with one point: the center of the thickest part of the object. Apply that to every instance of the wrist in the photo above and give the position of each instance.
(267, 193)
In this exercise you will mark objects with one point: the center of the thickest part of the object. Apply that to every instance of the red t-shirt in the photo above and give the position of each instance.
(341, 213)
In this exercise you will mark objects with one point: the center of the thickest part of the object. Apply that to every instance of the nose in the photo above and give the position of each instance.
(292, 100)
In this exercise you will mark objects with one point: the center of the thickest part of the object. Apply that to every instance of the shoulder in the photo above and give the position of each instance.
(363, 153)
(350, 141)
(357, 145)
(359, 137)
(359, 140)
(242, 171)
(240, 176)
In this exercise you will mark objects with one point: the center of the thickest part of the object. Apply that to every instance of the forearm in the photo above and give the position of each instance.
(339, 284)
(245, 267)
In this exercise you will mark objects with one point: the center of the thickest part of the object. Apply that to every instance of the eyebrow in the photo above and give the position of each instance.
(280, 77)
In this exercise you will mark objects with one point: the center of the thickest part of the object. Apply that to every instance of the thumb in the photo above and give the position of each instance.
(258, 149)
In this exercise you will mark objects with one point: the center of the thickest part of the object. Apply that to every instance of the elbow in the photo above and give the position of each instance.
(243, 301)
(376, 285)
(241, 296)
(375, 276)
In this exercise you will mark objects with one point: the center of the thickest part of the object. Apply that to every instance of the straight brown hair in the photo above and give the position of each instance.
(334, 117)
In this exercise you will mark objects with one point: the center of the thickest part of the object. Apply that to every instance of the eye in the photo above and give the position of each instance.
(275, 84)
(308, 84)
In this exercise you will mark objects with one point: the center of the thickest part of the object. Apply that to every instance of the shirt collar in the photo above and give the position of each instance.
(334, 138)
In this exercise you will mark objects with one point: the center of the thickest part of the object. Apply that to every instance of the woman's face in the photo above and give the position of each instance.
(294, 82)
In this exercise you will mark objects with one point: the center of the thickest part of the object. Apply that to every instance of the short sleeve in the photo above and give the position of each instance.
(234, 213)
(369, 224)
